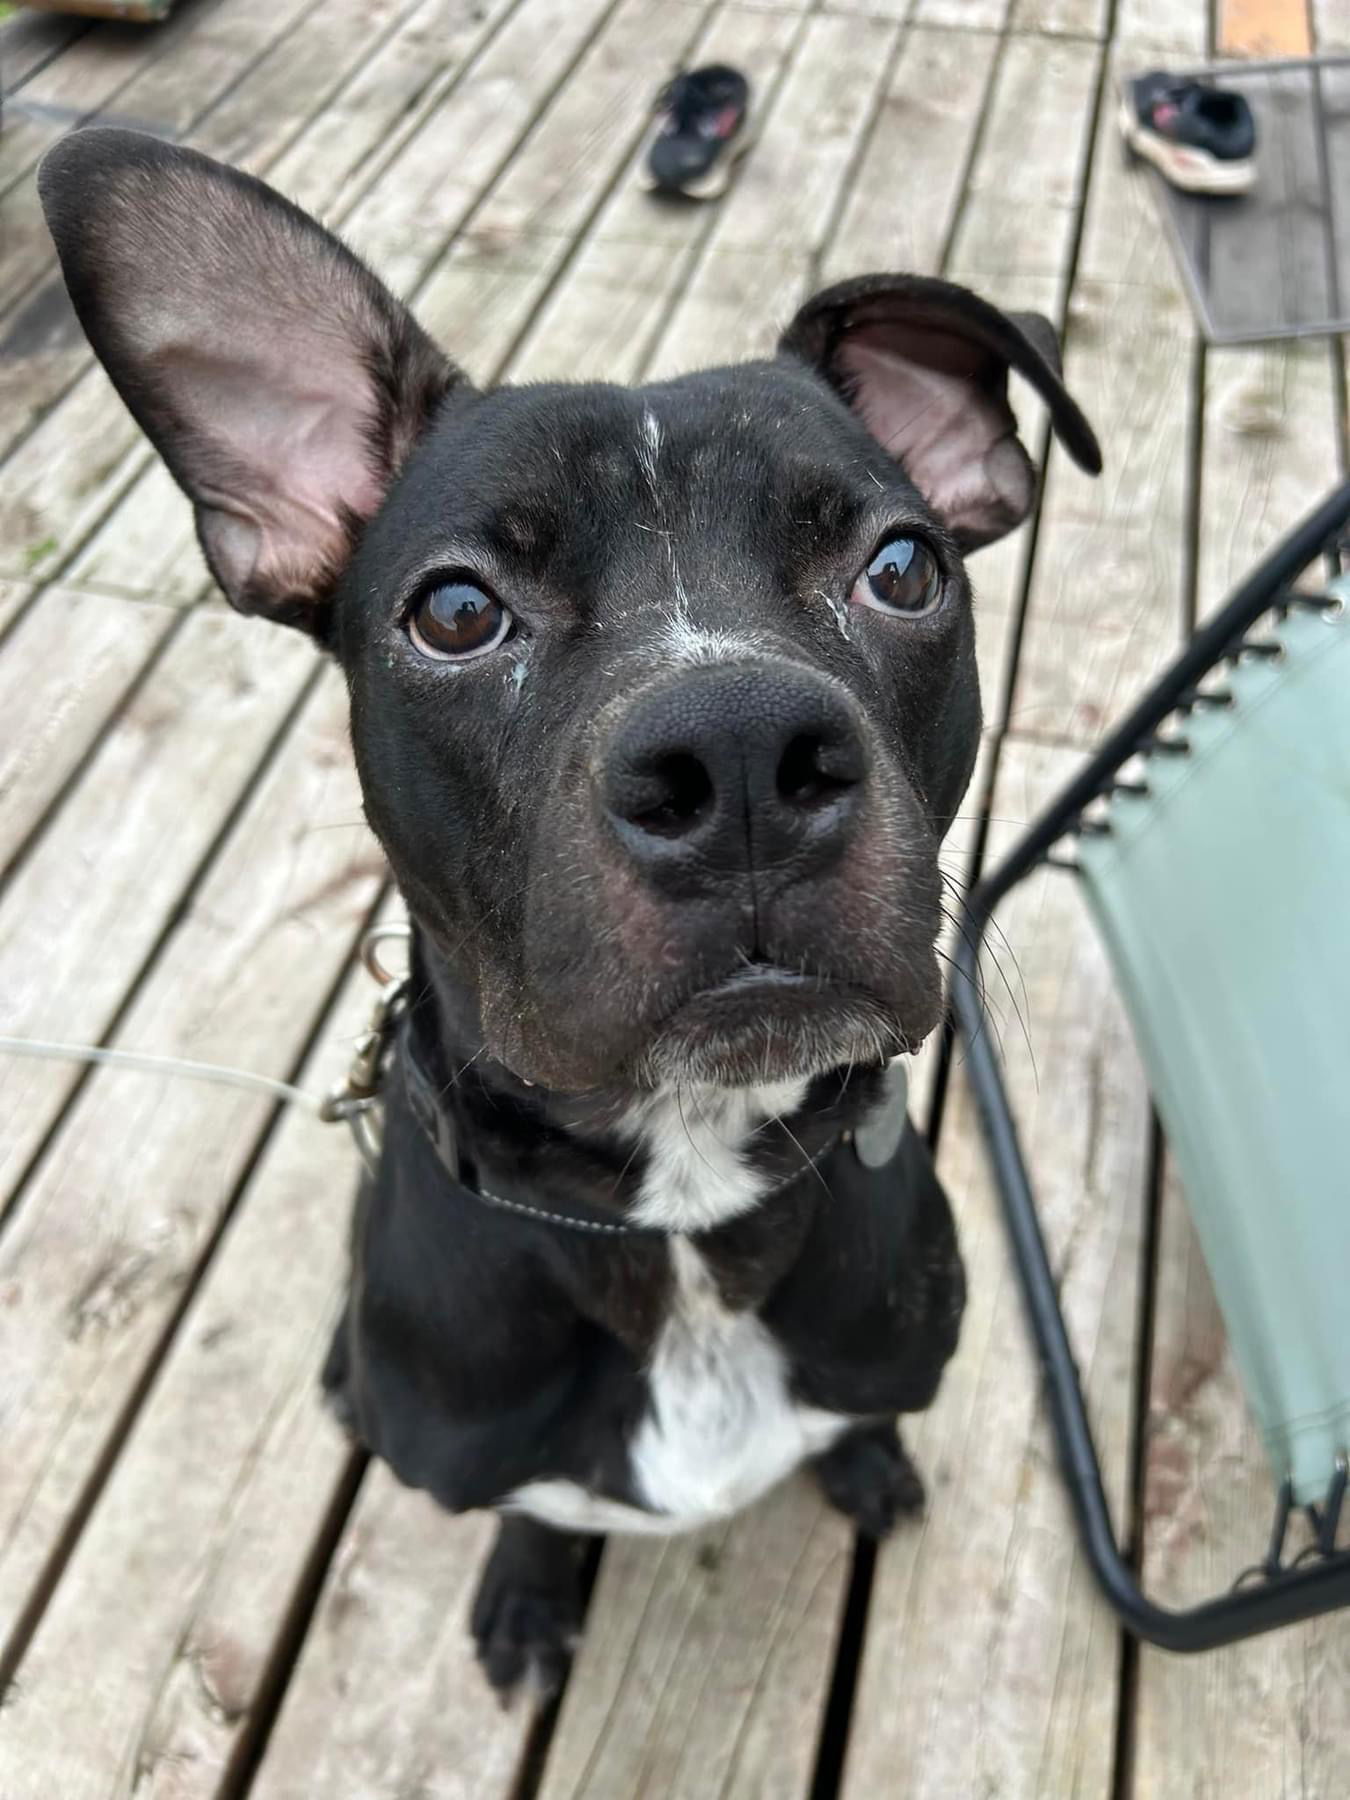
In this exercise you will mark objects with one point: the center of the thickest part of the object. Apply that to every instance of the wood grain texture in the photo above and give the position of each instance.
(89, 904)
(161, 1628)
(788, 193)
(603, 318)
(705, 1661)
(1106, 599)
(967, 15)
(1157, 29)
(1073, 18)
(109, 1232)
(404, 222)
(66, 665)
(1269, 454)
(990, 1663)
(14, 597)
(387, 1701)
(899, 208)
(391, 94)
(28, 41)
(779, 214)
(1331, 25)
(90, 73)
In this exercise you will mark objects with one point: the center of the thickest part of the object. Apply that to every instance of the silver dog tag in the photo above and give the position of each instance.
(877, 1139)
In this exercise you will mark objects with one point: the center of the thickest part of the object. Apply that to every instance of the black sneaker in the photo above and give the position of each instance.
(1202, 139)
(700, 130)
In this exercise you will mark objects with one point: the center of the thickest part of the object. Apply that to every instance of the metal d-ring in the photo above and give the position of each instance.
(369, 952)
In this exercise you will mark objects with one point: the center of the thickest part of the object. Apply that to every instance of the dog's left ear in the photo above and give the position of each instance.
(924, 364)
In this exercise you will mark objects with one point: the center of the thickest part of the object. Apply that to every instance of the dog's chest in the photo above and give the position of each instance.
(720, 1426)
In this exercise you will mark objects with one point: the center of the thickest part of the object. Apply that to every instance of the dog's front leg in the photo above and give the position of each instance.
(526, 1615)
(869, 1477)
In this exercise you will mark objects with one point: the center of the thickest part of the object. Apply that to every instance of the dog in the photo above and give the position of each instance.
(661, 700)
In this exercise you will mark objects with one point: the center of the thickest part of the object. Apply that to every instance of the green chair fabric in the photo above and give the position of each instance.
(1223, 896)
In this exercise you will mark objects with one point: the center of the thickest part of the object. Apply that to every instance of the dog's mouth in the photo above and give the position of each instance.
(767, 1023)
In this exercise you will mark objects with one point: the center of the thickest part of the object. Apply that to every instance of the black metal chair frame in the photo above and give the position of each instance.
(1274, 1592)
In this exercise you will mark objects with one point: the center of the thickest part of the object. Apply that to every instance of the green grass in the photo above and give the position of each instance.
(36, 553)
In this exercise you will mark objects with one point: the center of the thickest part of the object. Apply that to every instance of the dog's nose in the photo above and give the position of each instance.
(735, 766)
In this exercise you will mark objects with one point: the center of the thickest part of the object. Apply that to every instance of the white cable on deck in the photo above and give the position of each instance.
(159, 1065)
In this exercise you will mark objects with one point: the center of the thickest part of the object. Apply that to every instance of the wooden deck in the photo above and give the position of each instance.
(202, 1592)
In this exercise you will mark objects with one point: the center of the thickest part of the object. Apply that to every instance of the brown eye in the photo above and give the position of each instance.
(458, 620)
(903, 577)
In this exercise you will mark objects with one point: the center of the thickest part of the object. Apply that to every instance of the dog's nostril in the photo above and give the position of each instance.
(812, 771)
(682, 792)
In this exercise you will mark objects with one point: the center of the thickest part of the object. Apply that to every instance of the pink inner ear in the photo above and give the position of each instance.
(282, 454)
(934, 411)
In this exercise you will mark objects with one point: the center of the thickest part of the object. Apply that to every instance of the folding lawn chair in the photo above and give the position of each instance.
(1211, 835)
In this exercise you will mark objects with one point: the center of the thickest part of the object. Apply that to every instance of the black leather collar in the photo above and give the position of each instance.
(875, 1145)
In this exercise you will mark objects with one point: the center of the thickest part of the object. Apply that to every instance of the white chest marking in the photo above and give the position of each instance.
(721, 1426)
(697, 1176)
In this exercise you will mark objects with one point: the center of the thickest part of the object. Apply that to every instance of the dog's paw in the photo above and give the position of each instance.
(525, 1626)
(869, 1478)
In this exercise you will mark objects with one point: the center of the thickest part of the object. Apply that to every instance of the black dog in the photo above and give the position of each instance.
(662, 699)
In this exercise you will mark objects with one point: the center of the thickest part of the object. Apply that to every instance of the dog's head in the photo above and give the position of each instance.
(662, 698)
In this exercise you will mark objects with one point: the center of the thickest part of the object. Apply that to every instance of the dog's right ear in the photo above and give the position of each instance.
(283, 384)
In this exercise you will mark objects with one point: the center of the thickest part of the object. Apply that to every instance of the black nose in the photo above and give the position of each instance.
(735, 766)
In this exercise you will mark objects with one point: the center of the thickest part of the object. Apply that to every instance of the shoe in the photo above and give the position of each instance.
(700, 130)
(1202, 139)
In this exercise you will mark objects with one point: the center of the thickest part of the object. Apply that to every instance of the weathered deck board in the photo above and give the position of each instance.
(1269, 455)
(990, 1664)
(1106, 601)
(901, 204)
(68, 662)
(631, 264)
(160, 1630)
(89, 76)
(109, 1231)
(1075, 18)
(89, 904)
(704, 1665)
(387, 1701)
(14, 597)
(29, 41)
(403, 223)
(170, 93)
(758, 257)
(970, 15)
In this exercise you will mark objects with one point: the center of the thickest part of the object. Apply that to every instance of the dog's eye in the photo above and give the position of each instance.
(458, 620)
(903, 577)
